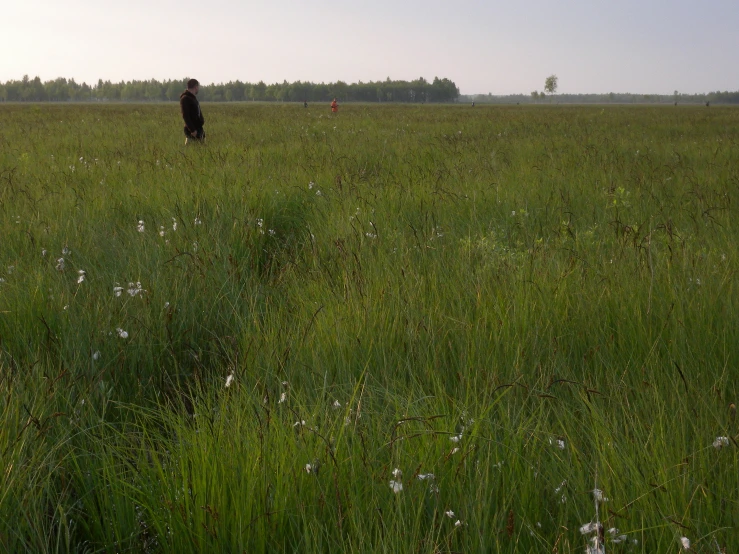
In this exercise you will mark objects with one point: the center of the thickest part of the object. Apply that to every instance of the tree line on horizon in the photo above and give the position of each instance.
(536, 97)
(68, 90)
(416, 91)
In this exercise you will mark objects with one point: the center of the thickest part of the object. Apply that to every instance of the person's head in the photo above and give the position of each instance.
(193, 86)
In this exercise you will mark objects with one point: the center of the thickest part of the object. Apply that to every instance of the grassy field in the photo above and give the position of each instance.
(401, 329)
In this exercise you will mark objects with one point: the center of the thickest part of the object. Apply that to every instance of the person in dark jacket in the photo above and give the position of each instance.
(191, 114)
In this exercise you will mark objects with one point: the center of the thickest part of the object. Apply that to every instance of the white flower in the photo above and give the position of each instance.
(60, 264)
(300, 423)
(121, 333)
(685, 541)
(260, 222)
(198, 221)
(319, 193)
(449, 514)
(397, 473)
(721, 442)
(166, 305)
(396, 486)
(44, 252)
(458, 523)
(174, 224)
(308, 468)
(117, 290)
(599, 497)
(456, 438)
(311, 185)
(66, 251)
(229, 380)
(454, 451)
(336, 405)
(140, 226)
(426, 476)
(81, 278)
(162, 232)
(96, 355)
(283, 397)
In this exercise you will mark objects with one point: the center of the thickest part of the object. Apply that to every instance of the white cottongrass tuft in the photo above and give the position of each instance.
(60, 264)
(135, 288)
(721, 442)
(685, 541)
(229, 380)
(456, 438)
(174, 224)
(198, 221)
(397, 473)
(300, 423)
(599, 497)
(458, 523)
(81, 278)
(121, 333)
(96, 355)
(336, 405)
(595, 547)
(283, 397)
(454, 451)
(559, 443)
(308, 468)
(449, 514)
(140, 227)
(396, 486)
(426, 476)
(589, 528)
(117, 290)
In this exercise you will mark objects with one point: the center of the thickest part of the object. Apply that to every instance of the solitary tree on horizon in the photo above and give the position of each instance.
(550, 84)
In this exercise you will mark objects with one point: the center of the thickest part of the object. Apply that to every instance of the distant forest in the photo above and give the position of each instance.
(417, 91)
(611, 98)
(63, 90)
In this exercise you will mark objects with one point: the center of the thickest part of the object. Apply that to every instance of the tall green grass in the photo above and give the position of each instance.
(527, 303)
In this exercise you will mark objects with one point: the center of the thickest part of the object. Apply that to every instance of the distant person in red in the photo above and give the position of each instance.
(191, 114)
(334, 106)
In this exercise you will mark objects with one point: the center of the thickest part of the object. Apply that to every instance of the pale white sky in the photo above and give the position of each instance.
(639, 46)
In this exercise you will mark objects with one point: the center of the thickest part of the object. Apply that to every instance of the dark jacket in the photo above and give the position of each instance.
(191, 113)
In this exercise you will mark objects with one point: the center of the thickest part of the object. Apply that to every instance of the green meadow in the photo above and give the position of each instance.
(421, 329)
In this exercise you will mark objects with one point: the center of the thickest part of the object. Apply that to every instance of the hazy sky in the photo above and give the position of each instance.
(645, 46)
